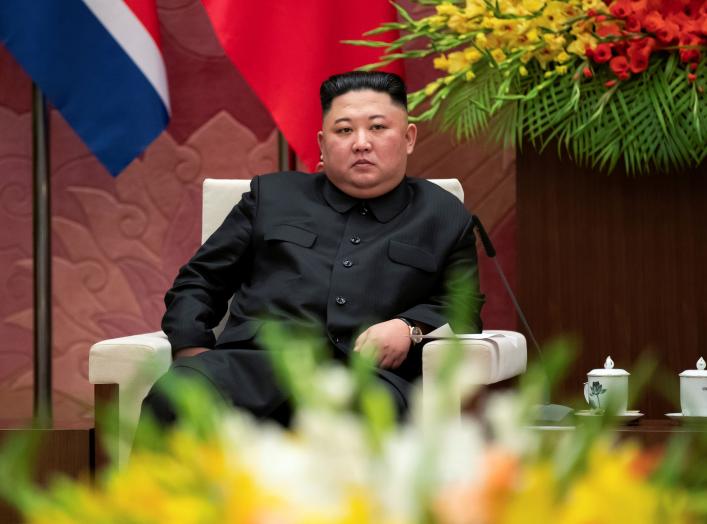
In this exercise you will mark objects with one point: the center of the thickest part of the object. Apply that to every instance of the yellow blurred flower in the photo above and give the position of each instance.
(447, 9)
(457, 62)
(432, 87)
(472, 54)
(469, 75)
(498, 55)
(533, 5)
(441, 62)
(458, 23)
(522, 71)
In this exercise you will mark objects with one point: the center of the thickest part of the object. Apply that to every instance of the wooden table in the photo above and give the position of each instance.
(649, 432)
(66, 449)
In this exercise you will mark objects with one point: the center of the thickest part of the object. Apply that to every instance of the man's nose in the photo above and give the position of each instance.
(362, 143)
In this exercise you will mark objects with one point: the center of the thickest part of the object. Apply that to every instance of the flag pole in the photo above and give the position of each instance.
(286, 159)
(41, 225)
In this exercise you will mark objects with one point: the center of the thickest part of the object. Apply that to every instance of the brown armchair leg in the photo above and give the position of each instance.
(107, 418)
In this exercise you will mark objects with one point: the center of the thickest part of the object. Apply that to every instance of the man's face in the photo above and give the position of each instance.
(365, 141)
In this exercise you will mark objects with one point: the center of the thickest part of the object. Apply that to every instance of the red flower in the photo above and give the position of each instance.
(605, 30)
(688, 51)
(691, 77)
(601, 53)
(668, 32)
(653, 21)
(619, 65)
(620, 9)
(587, 72)
(632, 25)
(592, 12)
(639, 53)
(610, 83)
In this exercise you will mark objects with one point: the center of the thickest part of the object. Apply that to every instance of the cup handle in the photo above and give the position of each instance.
(586, 393)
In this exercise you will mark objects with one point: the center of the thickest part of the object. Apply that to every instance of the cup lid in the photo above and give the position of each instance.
(699, 372)
(608, 370)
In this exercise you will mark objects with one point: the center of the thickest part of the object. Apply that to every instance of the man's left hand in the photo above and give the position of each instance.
(390, 340)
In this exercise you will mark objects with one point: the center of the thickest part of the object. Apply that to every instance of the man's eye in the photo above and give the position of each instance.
(377, 127)
(343, 130)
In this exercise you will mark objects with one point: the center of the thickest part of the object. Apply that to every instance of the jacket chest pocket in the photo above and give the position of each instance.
(412, 256)
(293, 234)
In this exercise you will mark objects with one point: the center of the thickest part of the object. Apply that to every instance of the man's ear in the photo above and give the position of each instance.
(320, 139)
(410, 137)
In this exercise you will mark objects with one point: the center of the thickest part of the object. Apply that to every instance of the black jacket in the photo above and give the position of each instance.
(298, 249)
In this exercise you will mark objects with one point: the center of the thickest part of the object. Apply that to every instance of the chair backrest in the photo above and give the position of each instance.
(220, 195)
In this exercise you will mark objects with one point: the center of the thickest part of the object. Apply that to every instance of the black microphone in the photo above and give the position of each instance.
(545, 412)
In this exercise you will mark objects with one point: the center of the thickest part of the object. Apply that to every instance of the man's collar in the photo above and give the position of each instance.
(384, 208)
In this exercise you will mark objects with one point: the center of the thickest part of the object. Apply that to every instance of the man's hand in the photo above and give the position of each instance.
(390, 340)
(189, 352)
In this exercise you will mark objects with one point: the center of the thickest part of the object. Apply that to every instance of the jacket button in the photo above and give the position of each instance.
(363, 210)
(340, 300)
(355, 239)
(337, 340)
(347, 263)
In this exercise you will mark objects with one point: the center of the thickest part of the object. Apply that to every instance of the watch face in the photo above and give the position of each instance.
(416, 334)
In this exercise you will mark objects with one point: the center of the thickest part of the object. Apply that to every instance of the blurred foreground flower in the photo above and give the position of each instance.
(346, 462)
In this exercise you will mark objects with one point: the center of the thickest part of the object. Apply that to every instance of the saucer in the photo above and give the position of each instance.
(625, 416)
(685, 419)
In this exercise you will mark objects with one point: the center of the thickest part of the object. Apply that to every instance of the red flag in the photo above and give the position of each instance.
(285, 49)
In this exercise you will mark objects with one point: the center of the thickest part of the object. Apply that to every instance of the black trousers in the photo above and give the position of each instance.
(245, 379)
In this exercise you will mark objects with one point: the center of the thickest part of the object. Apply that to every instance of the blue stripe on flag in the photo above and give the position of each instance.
(86, 75)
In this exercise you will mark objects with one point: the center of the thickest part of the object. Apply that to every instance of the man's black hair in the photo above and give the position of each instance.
(338, 85)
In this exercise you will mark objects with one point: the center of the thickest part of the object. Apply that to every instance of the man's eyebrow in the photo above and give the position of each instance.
(347, 119)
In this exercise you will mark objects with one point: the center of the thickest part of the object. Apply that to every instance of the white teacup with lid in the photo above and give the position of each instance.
(693, 391)
(607, 386)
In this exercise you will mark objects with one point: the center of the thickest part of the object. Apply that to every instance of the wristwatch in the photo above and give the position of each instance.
(415, 331)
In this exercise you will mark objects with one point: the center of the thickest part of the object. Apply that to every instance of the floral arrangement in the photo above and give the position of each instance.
(340, 465)
(608, 80)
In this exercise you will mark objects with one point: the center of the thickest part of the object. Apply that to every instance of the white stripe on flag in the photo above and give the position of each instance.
(137, 42)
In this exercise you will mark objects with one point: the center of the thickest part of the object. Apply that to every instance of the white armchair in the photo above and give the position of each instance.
(127, 367)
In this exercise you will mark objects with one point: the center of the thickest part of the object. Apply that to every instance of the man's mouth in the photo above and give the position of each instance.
(363, 162)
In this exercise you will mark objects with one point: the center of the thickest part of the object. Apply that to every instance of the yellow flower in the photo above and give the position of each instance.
(431, 87)
(469, 75)
(441, 62)
(474, 8)
(533, 5)
(472, 54)
(580, 45)
(447, 9)
(457, 62)
(458, 23)
(523, 71)
(481, 40)
(561, 69)
(498, 55)
(610, 478)
(532, 35)
(437, 21)
(562, 57)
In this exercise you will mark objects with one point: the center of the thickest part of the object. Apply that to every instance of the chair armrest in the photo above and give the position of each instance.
(498, 356)
(134, 363)
(128, 359)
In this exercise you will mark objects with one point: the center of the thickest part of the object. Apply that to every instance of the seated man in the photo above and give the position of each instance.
(356, 247)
